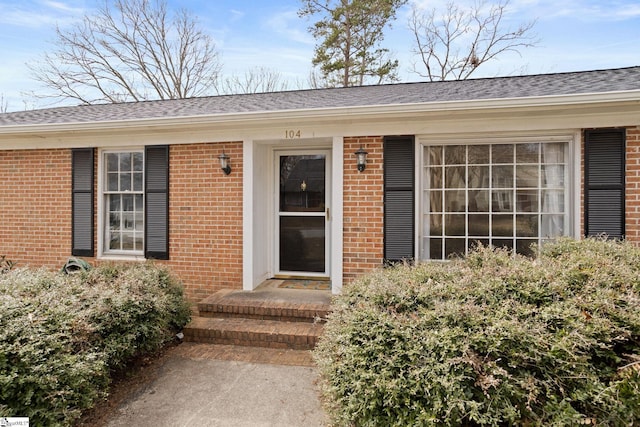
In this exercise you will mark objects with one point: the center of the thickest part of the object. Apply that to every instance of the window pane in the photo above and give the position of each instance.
(112, 182)
(527, 153)
(455, 155)
(502, 153)
(435, 177)
(455, 177)
(553, 176)
(435, 201)
(502, 201)
(127, 202)
(454, 247)
(435, 248)
(454, 201)
(114, 221)
(479, 154)
(435, 225)
(478, 200)
(127, 242)
(138, 163)
(138, 202)
(125, 182)
(551, 225)
(435, 155)
(112, 162)
(125, 162)
(526, 225)
(139, 222)
(138, 242)
(527, 200)
(552, 201)
(114, 241)
(478, 225)
(127, 221)
(553, 152)
(455, 225)
(502, 225)
(502, 177)
(478, 176)
(114, 203)
(137, 182)
(527, 176)
(302, 183)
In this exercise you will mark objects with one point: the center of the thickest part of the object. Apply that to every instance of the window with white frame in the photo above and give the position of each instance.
(123, 202)
(511, 195)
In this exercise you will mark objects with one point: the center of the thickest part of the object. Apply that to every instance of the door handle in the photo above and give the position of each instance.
(327, 214)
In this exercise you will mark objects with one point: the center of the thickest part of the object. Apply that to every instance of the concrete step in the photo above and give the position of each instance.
(253, 332)
(292, 306)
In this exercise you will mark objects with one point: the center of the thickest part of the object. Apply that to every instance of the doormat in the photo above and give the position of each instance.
(316, 285)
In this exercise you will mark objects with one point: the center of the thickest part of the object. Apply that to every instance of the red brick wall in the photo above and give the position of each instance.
(205, 218)
(363, 208)
(35, 206)
(205, 214)
(632, 195)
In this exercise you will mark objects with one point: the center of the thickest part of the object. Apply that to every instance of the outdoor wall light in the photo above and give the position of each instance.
(361, 157)
(224, 163)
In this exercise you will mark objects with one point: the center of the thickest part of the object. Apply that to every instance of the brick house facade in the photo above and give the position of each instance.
(503, 163)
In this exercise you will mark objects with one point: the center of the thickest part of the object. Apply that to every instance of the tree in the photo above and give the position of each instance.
(453, 44)
(130, 50)
(254, 80)
(349, 35)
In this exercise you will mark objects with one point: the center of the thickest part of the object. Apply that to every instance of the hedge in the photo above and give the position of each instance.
(493, 339)
(61, 336)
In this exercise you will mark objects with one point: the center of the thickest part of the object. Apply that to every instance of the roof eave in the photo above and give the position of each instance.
(247, 118)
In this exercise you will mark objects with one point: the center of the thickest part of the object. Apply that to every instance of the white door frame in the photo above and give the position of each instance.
(258, 168)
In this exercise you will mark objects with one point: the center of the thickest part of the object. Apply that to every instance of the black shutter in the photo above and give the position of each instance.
(82, 202)
(156, 222)
(604, 178)
(399, 196)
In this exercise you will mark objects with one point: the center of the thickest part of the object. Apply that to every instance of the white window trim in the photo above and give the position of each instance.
(102, 222)
(572, 137)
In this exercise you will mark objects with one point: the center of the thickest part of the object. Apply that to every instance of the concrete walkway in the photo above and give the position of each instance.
(213, 385)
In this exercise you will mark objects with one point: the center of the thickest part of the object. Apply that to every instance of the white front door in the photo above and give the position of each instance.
(302, 213)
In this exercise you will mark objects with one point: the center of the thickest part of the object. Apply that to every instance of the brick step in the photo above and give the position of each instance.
(234, 304)
(253, 332)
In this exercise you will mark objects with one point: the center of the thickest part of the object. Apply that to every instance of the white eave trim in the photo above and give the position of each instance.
(258, 117)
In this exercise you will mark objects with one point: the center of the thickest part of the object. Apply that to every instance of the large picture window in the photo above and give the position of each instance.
(506, 195)
(123, 193)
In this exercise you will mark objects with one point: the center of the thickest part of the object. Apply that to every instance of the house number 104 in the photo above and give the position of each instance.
(292, 134)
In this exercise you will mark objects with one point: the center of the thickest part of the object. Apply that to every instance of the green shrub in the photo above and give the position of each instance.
(62, 335)
(490, 340)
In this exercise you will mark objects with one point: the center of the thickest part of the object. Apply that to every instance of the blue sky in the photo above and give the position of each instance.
(574, 35)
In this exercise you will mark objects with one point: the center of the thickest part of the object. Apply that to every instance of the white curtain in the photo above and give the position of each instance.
(552, 224)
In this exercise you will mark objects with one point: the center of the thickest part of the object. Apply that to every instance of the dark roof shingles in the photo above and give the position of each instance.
(601, 81)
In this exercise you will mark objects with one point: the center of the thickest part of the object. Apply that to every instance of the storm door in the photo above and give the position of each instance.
(303, 214)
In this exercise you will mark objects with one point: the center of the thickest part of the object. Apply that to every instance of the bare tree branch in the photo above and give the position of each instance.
(255, 80)
(130, 50)
(452, 44)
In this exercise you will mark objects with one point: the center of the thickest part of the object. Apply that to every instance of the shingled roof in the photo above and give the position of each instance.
(573, 83)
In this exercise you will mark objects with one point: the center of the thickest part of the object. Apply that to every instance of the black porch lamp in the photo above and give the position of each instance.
(224, 163)
(361, 157)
